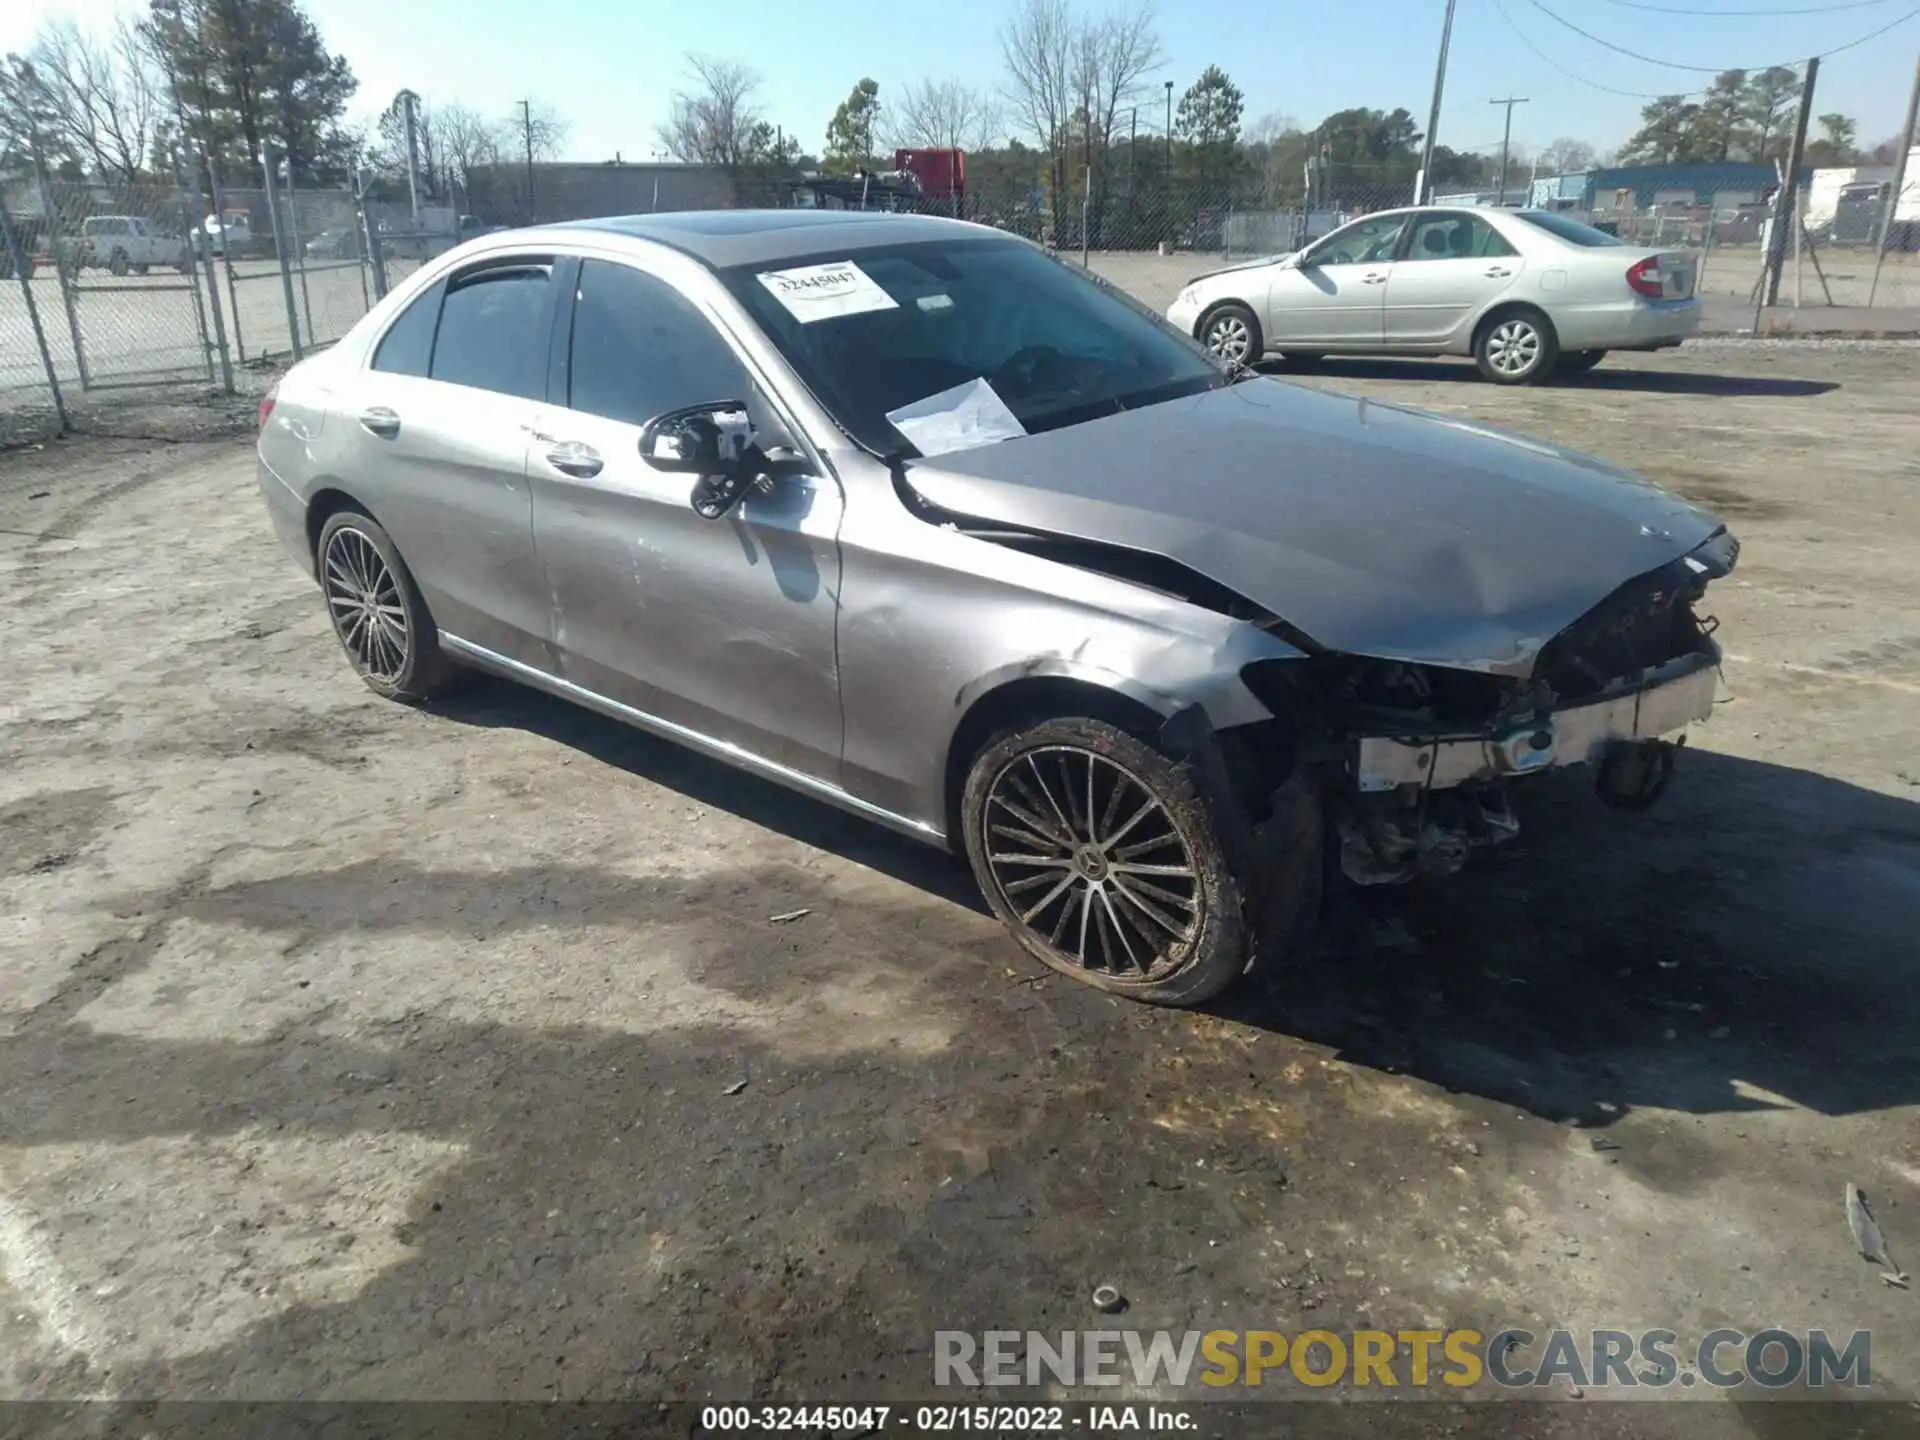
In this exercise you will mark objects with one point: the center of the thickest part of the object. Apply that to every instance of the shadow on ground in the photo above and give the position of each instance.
(486, 701)
(1745, 945)
(1651, 382)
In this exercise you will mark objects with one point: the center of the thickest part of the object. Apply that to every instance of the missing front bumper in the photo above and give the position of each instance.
(1671, 698)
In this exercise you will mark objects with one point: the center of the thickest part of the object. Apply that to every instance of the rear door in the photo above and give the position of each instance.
(1335, 296)
(1453, 265)
(438, 428)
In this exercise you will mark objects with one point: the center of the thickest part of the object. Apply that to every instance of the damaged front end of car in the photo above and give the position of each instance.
(1417, 761)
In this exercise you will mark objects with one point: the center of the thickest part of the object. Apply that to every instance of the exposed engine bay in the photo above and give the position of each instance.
(1425, 756)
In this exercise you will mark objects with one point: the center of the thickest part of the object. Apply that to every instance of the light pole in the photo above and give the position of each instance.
(1169, 133)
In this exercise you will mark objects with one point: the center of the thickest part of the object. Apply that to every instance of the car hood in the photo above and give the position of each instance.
(1374, 529)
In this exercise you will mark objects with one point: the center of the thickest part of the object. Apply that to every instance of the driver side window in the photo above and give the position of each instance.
(1369, 242)
(641, 348)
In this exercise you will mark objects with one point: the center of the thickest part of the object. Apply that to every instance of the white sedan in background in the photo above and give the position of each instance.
(1524, 292)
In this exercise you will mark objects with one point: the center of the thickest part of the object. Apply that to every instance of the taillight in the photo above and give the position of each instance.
(266, 405)
(1645, 278)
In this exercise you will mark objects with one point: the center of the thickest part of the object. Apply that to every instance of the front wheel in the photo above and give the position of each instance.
(1578, 362)
(1517, 348)
(377, 612)
(1233, 333)
(1102, 857)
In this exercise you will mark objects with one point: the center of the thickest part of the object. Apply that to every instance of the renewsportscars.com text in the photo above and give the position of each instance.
(1513, 1358)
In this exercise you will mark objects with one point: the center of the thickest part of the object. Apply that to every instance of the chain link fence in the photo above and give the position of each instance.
(113, 292)
(116, 297)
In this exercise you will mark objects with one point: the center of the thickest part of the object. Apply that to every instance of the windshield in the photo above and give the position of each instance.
(909, 331)
(1571, 231)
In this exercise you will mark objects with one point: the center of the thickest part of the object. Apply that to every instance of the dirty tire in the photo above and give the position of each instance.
(1231, 332)
(1100, 929)
(117, 262)
(391, 643)
(1516, 347)
(1578, 362)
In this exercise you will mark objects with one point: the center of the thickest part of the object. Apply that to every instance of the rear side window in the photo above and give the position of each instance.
(493, 332)
(407, 347)
(641, 348)
(1571, 231)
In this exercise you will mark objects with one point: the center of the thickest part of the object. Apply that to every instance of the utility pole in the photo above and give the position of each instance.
(1890, 211)
(1423, 185)
(1785, 209)
(526, 126)
(1506, 140)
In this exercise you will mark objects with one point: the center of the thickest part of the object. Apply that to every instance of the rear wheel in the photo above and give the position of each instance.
(1232, 332)
(1517, 347)
(1102, 857)
(377, 612)
(1575, 362)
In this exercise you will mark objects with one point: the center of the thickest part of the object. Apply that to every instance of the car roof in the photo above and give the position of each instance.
(722, 238)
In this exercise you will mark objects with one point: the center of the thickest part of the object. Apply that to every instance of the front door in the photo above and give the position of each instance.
(1335, 295)
(1454, 265)
(725, 627)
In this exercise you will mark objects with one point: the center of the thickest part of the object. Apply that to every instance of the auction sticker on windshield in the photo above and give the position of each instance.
(825, 292)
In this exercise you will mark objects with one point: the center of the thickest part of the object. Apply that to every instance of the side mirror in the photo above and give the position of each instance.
(716, 443)
(697, 439)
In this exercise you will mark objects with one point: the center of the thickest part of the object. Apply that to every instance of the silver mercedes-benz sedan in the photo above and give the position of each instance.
(914, 518)
(1527, 293)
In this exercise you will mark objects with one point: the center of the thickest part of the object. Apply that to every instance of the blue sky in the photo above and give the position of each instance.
(610, 65)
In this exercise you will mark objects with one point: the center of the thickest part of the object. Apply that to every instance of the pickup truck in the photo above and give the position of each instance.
(120, 243)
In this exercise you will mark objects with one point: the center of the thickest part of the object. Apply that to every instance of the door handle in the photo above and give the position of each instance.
(1373, 280)
(381, 421)
(1498, 272)
(572, 457)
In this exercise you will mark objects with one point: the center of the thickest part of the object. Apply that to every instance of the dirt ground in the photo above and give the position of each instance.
(357, 1051)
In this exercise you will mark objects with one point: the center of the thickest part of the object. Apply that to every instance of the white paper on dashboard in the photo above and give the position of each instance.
(963, 418)
(825, 292)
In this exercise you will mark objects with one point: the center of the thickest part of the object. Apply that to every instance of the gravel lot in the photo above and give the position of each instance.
(352, 1050)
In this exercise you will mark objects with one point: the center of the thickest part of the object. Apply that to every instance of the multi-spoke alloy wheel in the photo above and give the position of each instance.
(363, 597)
(377, 610)
(1086, 856)
(1098, 853)
(1517, 348)
(1231, 332)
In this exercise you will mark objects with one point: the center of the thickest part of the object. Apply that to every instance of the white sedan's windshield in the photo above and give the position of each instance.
(877, 332)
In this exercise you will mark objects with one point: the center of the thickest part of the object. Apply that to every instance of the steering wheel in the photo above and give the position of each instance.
(1025, 371)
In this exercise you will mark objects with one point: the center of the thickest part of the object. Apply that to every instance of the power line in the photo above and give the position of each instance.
(1712, 69)
(1575, 75)
(1731, 14)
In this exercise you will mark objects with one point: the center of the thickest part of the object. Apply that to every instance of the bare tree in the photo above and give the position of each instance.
(943, 115)
(1038, 47)
(467, 140)
(100, 98)
(713, 122)
(1068, 77)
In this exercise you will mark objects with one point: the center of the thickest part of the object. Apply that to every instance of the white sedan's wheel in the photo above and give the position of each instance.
(1517, 348)
(1233, 334)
